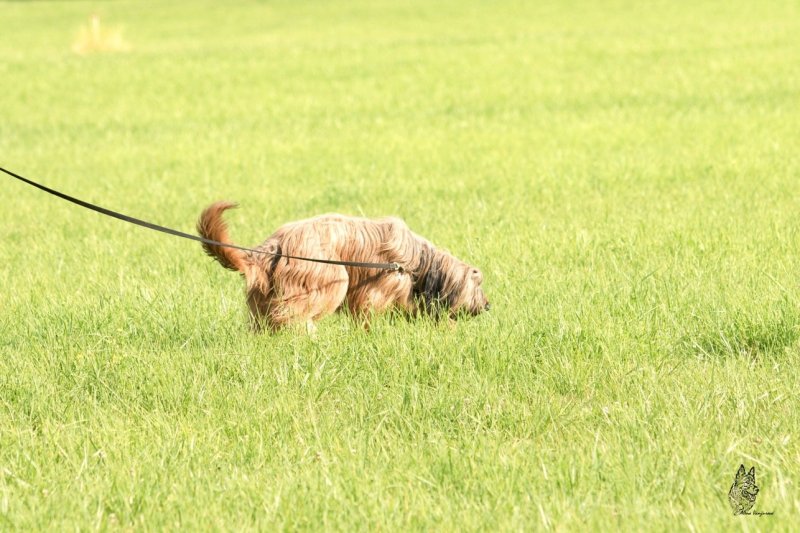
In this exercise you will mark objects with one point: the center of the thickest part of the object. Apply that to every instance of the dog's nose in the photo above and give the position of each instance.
(487, 307)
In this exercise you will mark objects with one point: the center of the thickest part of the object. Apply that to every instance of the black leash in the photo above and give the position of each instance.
(162, 229)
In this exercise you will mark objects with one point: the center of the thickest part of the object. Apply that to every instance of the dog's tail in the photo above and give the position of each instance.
(211, 226)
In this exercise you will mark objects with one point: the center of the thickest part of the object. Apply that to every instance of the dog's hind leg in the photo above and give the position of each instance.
(259, 305)
(306, 294)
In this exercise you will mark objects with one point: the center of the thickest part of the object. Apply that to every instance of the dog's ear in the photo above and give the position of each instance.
(433, 286)
(740, 472)
(437, 293)
(752, 473)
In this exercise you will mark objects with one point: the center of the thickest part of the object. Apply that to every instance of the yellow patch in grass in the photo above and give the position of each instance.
(94, 38)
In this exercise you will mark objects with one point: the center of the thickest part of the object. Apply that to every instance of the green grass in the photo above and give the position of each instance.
(625, 174)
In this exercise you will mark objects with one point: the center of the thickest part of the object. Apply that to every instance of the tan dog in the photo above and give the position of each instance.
(283, 291)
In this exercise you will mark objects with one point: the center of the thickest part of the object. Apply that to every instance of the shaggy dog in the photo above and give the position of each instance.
(283, 291)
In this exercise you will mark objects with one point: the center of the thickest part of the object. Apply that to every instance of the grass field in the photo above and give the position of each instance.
(625, 174)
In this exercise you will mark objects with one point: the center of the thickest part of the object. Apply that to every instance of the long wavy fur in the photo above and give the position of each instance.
(281, 291)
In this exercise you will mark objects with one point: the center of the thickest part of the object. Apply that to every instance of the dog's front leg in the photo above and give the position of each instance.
(311, 329)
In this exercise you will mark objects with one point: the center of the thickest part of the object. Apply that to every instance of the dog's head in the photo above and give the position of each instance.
(746, 482)
(742, 495)
(451, 286)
